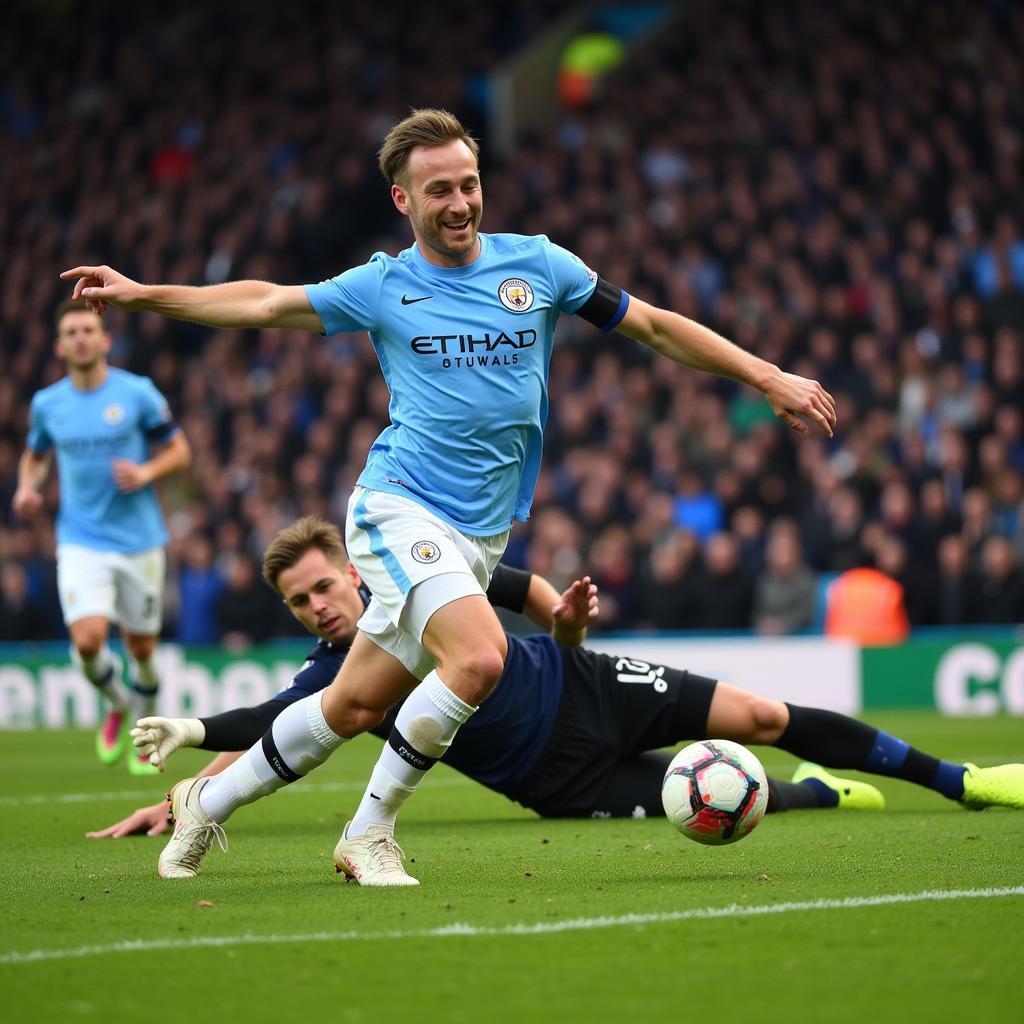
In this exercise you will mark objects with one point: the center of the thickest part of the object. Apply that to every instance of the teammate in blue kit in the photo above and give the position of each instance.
(462, 324)
(114, 436)
(567, 732)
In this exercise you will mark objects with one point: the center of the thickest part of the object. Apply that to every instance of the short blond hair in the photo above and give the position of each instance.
(306, 534)
(426, 127)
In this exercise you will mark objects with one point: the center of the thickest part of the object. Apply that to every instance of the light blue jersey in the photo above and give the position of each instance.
(465, 354)
(88, 430)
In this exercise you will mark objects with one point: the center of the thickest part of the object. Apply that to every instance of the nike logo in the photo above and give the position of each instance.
(374, 796)
(406, 301)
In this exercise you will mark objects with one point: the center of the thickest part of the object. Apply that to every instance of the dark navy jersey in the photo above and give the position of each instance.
(500, 743)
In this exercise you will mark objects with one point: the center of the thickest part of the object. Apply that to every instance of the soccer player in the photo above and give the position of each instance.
(462, 324)
(114, 438)
(567, 732)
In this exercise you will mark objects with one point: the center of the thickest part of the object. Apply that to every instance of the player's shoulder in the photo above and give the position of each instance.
(127, 380)
(507, 243)
(326, 653)
(52, 393)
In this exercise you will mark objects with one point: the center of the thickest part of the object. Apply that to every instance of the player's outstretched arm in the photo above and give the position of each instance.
(793, 398)
(233, 304)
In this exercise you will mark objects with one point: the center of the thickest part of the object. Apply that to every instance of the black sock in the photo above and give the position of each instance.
(838, 741)
(798, 796)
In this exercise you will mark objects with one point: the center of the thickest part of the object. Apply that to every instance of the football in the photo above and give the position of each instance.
(715, 792)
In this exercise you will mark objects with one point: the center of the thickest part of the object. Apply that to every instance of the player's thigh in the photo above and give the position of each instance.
(370, 681)
(743, 716)
(399, 548)
(466, 632)
(650, 705)
(140, 591)
(86, 583)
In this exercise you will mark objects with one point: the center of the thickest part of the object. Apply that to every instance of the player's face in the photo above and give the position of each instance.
(324, 598)
(444, 201)
(81, 340)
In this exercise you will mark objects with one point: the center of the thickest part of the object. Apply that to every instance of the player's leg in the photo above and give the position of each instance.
(86, 586)
(839, 741)
(140, 591)
(639, 706)
(467, 642)
(429, 610)
(370, 681)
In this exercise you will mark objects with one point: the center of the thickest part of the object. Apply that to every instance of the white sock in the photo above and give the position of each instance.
(299, 741)
(103, 670)
(145, 686)
(424, 729)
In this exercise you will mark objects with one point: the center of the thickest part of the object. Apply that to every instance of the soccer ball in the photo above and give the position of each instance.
(714, 792)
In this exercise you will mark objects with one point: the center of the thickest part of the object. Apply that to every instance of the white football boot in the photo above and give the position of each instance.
(372, 859)
(193, 835)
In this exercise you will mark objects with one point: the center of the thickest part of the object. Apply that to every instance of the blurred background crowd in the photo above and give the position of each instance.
(835, 187)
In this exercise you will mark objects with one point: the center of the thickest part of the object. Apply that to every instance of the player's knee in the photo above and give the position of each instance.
(141, 647)
(476, 673)
(769, 719)
(349, 720)
(88, 643)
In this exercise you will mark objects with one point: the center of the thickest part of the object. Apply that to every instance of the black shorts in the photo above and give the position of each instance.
(612, 710)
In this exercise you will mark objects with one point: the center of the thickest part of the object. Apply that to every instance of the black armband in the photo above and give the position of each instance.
(162, 432)
(241, 728)
(508, 587)
(606, 306)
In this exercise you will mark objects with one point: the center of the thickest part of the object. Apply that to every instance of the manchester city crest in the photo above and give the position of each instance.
(515, 294)
(425, 551)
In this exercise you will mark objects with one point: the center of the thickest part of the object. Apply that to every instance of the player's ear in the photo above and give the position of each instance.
(400, 198)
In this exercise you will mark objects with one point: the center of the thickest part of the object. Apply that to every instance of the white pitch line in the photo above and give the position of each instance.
(462, 930)
(139, 794)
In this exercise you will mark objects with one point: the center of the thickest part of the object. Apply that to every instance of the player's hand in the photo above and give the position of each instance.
(27, 502)
(792, 397)
(151, 821)
(575, 611)
(130, 476)
(102, 287)
(157, 738)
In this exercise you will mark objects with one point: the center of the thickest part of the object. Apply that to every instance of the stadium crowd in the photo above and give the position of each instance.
(836, 187)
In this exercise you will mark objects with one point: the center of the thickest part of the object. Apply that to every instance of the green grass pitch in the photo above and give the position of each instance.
(817, 916)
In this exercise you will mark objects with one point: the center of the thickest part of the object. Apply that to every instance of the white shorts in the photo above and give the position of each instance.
(126, 589)
(414, 563)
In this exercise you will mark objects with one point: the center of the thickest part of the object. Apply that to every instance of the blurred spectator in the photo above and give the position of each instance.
(786, 591)
(201, 586)
(668, 591)
(20, 617)
(724, 592)
(1001, 594)
(245, 609)
(958, 587)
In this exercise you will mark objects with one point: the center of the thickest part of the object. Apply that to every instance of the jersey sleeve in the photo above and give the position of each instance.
(573, 280)
(350, 301)
(39, 439)
(584, 292)
(156, 419)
